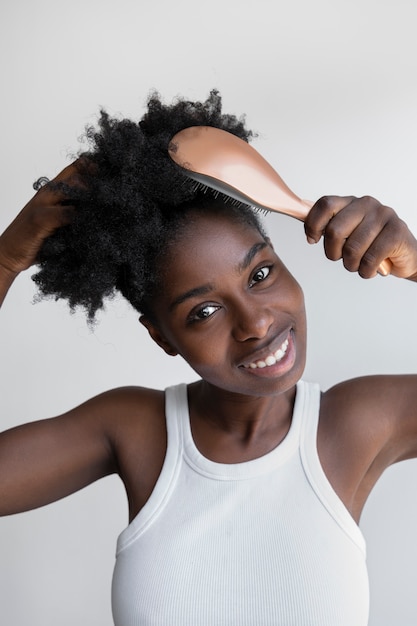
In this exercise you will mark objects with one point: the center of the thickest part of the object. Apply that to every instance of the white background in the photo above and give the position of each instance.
(331, 88)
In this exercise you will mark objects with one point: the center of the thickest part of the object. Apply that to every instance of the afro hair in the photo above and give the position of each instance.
(131, 199)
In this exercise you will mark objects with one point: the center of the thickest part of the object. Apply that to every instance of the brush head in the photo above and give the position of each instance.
(225, 163)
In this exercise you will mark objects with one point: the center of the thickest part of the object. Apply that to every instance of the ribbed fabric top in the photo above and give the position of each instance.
(266, 542)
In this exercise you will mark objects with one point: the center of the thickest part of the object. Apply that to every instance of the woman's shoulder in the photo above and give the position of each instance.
(130, 399)
(354, 409)
(130, 414)
(366, 398)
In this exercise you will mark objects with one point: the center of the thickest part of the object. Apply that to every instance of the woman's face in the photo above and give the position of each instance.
(230, 307)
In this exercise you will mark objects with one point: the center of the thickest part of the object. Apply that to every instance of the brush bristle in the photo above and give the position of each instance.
(201, 187)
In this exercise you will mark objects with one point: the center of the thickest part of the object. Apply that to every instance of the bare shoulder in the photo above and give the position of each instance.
(120, 412)
(356, 401)
(128, 402)
(371, 411)
(134, 420)
(379, 403)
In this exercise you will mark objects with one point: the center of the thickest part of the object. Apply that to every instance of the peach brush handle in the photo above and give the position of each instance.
(225, 163)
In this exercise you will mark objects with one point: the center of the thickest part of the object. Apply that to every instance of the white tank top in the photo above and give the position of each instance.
(261, 543)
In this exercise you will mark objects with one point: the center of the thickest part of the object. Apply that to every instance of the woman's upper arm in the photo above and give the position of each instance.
(402, 392)
(43, 461)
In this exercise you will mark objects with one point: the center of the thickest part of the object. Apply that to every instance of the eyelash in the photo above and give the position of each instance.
(195, 315)
(258, 271)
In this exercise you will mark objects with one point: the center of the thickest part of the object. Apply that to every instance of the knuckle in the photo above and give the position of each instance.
(323, 204)
(351, 255)
(351, 249)
(322, 201)
(368, 200)
(399, 227)
(318, 216)
(372, 204)
(386, 213)
(389, 216)
(335, 231)
(367, 267)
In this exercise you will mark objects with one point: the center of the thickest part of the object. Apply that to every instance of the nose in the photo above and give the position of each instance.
(251, 321)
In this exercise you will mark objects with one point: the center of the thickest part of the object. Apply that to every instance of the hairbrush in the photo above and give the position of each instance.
(224, 163)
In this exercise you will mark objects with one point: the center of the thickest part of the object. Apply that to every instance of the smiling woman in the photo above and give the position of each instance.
(245, 487)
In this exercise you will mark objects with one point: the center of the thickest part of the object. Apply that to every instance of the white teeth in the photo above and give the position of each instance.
(272, 358)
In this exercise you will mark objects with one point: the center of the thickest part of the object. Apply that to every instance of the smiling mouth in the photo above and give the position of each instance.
(271, 359)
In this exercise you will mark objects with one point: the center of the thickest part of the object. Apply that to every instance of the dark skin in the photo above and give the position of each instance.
(225, 312)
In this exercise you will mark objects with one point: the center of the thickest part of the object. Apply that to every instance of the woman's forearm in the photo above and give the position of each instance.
(6, 279)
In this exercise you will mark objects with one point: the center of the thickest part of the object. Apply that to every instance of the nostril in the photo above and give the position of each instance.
(254, 325)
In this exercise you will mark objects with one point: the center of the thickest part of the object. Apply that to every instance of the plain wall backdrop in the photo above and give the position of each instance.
(330, 86)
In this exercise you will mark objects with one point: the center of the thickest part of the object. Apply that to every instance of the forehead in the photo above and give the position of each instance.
(206, 249)
(210, 237)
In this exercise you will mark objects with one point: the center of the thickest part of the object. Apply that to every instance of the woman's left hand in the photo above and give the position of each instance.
(363, 233)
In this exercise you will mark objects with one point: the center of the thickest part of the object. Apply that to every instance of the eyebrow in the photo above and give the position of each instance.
(205, 289)
(192, 293)
(251, 254)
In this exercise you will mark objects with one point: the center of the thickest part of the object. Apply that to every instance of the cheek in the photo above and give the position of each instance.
(296, 297)
(206, 354)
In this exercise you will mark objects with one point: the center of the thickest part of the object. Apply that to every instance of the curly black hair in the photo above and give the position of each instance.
(131, 201)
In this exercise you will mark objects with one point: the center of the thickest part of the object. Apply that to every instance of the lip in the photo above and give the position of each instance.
(262, 353)
(280, 367)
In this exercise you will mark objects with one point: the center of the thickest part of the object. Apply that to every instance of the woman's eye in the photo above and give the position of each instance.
(204, 312)
(260, 275)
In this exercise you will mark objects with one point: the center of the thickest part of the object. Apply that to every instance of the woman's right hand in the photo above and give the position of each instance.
(43, 214)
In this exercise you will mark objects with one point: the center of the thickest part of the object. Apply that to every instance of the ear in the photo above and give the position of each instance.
(157, 336)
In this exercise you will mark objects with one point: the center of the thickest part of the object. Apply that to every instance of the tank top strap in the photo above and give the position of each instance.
(169, 473)
(313, 468)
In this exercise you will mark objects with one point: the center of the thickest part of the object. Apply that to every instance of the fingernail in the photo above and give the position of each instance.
(310, 239)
